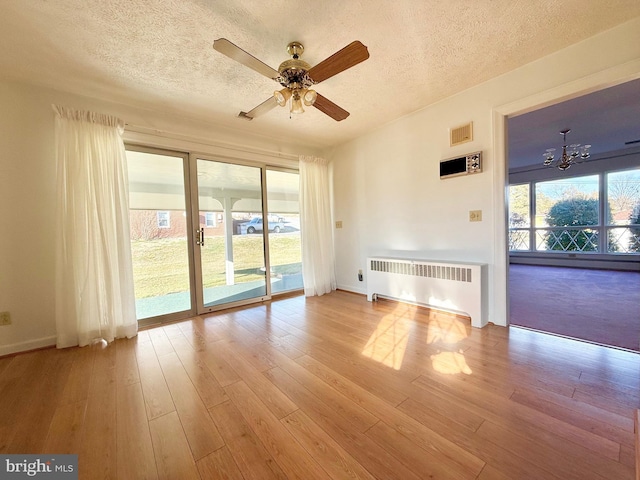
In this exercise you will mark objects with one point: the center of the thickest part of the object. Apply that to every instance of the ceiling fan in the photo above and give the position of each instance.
(297, 76)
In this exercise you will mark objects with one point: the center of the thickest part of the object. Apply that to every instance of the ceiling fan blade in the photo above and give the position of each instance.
(349, 56)
(234, 52)
(263, 108)
(327, 106)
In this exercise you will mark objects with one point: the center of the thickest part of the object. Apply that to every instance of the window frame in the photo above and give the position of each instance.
(603, 227)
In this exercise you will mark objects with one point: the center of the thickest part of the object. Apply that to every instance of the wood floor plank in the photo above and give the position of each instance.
(491, 473)
(200, 331)
(342, 406)
(157, 398)
(285, 347)
(172, 330)
(259, 358)
(420, 434)
(620, 408)
(440, 407)
(245, 447)
(491, 406)
(220, 464)
(135, 457)
(274, 399)
(4, 363)
(334, 459)
(218, 366)
(615, 428)
(77, 387)
(201, 433)
(160, 341)
(513, 466)
(45, 388)
(203, 380)
(376, 459)
(294, 460)
(21, 376)
(426, 463)
(172, 453)
(65, 432)
(126, 362)
(97, 455)
(556, 454)
(234, 331)
(260, 328)
(363, 375)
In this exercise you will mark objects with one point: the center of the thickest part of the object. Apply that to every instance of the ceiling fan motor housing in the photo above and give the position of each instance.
(293, 72)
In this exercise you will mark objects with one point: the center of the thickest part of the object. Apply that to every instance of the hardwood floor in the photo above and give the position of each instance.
(328, 387)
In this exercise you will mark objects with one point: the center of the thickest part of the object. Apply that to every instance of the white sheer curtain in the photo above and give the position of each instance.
(94, 278)
(318, 272)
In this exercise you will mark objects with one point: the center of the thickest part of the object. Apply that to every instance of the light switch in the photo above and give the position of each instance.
(339, 224)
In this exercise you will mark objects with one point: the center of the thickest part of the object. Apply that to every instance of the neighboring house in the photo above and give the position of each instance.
(154, 224)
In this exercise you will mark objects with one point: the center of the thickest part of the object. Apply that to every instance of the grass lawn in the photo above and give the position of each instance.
(161, 266)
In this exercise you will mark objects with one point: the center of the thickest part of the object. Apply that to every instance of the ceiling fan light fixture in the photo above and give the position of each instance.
(309, 97)
(282, 96)
(296, 103)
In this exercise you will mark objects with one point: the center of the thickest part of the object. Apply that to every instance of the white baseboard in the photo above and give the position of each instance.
(26, 346)
(352, 289)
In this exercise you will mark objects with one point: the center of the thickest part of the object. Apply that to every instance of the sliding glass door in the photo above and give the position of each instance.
(230, 235)
(160, 241)
(285, 251)
(203, 232)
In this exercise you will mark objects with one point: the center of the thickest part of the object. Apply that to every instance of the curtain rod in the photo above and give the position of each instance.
(212, 143)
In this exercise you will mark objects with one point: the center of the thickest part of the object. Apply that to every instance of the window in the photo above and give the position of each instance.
(519, 217)
(209, 219)
(163, 219)
(623, 214)
(569, 202)
(588, 214)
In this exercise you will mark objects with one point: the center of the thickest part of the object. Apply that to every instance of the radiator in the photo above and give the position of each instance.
(450, 286)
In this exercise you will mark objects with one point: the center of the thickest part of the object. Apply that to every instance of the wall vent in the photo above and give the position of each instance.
(461, 134)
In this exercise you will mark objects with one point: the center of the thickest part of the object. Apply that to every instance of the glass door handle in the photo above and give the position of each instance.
(200, 237)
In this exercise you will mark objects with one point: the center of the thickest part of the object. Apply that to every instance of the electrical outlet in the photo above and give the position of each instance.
(475, 215)
(360, 277)
(5, 318)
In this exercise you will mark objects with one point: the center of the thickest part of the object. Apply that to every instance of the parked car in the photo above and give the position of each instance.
(256, 225)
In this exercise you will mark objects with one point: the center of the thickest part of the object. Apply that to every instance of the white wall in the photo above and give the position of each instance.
(386, 186)
(387, 190)
(28, 193)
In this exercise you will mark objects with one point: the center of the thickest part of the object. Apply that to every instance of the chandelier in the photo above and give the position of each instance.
(575, 153)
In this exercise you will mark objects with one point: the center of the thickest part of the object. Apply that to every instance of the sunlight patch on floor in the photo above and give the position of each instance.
(448, 332)
(388, 342)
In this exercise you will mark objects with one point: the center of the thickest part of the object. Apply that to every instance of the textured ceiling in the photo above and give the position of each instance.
(608, 120)
(158, 53)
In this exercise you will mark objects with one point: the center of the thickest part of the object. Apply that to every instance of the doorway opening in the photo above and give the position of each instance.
(574, 235)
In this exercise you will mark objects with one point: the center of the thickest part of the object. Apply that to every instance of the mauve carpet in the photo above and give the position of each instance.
(601, 306)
